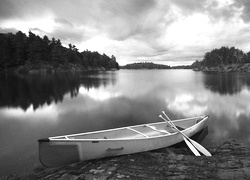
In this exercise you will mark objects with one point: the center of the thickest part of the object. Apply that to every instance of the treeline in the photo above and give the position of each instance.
(181, 67)
(223, 56)
(40, 89)
(18, 50)
(145, 65)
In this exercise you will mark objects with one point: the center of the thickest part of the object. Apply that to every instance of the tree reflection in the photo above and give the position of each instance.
(226, 83)
(38, 89)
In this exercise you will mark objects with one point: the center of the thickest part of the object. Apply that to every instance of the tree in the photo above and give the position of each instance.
(223, 56)
(18, 49)
(56, 55)
(247, 58)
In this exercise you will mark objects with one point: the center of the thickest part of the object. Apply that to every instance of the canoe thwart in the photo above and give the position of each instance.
(154, 128)
(137, 132)
(115, 149)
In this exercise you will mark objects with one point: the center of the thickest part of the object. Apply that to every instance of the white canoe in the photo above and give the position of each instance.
(62, 150)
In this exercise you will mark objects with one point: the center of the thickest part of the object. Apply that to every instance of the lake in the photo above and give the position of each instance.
(41, 105)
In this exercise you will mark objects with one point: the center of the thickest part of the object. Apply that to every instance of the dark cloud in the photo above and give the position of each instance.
(118, 19)
(143, 26)
(19, 9)
(211, 8)
(130, 18)
(190, 6)
(9, 9)
(225, 13)
(245, 5)
(128, 8)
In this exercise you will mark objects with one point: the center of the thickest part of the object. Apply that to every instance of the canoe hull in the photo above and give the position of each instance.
(57, 153)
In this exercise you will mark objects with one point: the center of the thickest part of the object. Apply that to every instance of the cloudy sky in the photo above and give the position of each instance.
(169, 32)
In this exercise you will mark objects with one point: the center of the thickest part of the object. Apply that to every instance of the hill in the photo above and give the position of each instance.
(23, 53)
(224, 59)
(145, 65)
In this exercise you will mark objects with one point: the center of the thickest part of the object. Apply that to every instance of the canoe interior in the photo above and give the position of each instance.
(62, 150)
(133, 132)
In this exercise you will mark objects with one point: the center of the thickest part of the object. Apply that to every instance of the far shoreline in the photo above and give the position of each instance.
(236, 67)
(47, 68)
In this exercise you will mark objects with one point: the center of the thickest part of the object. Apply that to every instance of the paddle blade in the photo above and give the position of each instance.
(200, 148)
(191, 147)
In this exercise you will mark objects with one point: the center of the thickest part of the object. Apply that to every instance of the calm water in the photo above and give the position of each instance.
(38, 106)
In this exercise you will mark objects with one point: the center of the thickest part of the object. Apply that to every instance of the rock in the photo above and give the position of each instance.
(68, 177)
(227, 68)
(49, 68)
(230, 160)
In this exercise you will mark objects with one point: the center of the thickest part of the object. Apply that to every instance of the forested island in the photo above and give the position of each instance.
(145, 65)
(150, 65)
(22, 53)
(224, 59)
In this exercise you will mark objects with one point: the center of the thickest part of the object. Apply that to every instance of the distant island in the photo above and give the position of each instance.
(21, 53)
(151, 65)
(145, 65)
(224, 59)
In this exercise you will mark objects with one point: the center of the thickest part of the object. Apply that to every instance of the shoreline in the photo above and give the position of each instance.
(245, 67)
(230, 160)
(48, 68)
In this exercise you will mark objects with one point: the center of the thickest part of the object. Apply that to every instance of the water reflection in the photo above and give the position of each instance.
(26, 91)
(42, 105)
(228, 106)
(226, 83)
(103, 100)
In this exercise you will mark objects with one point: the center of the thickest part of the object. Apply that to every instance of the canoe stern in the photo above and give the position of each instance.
(53, 154)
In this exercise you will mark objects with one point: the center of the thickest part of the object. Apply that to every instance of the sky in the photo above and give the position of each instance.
(172, 32)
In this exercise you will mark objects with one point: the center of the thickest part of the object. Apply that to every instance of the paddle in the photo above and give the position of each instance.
(187, 142)
(194, 143)
(197, 145)
(191, 147)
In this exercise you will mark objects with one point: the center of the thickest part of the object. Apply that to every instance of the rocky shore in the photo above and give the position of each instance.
(227, 68)
(48, 68)
(230, 160)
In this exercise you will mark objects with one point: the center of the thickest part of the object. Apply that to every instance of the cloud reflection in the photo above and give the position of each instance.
(229, 114)
(117, 99)
(188, 103)
(48, 112)
(200, 103)
(98, 94)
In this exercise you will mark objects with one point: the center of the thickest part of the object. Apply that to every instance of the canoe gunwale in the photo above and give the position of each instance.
(67, 139)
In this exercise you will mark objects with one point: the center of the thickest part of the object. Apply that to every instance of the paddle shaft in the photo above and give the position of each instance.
(173, 125)
(189, 144)
(197, 145)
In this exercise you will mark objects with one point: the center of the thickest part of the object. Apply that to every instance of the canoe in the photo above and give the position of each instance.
(62, 150)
